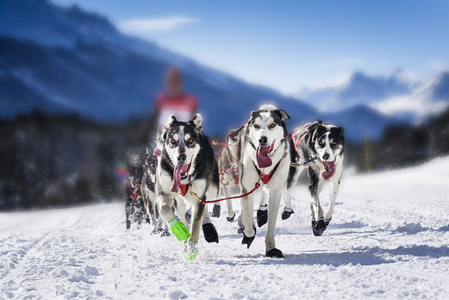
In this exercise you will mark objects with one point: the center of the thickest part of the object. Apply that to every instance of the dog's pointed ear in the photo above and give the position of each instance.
(170, 121)
(253, 115)
(162, 131)
(342, 131)
(283, 114)
(314, 125)
(198, 122)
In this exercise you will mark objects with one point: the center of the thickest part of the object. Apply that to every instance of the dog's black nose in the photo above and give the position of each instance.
(263, 141)
(182, 158)
(326, 156)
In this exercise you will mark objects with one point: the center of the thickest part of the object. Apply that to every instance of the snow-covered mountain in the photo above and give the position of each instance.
(359, 88)
(395, 96)
(62, 60)
(427, 98)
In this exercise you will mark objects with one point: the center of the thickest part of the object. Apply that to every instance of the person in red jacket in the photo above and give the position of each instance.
(172, 102)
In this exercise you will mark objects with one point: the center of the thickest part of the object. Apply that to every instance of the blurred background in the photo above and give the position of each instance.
(78, 79)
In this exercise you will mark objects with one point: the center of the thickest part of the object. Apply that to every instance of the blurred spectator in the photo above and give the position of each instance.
(172, 102)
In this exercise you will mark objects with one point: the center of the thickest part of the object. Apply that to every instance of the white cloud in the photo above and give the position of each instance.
(141, 25)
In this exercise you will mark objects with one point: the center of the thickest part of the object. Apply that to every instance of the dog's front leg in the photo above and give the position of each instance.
(180, 209)
(273, 210)
(128, 210)
(197, 218)
(262, 212)
(178, 228)
(249, 230)
(335, 187)
(315, 185)
(291, 182)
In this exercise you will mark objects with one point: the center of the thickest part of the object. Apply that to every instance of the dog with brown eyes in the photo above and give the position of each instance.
(319, 149)
(263, 153)
(186, 171)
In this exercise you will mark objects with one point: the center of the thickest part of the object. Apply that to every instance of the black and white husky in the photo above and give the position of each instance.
(263, 152)
(149, 194)
(187, 169)
(320, 149)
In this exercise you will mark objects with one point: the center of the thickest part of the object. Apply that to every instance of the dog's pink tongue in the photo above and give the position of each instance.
(263, 160)
(329, 167)
(177, 177)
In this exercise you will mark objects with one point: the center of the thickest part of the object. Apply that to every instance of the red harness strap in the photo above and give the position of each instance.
(132, 192)
(293, 135)
(265, 180)
(267, 177)
(184, 188)
(256, 186)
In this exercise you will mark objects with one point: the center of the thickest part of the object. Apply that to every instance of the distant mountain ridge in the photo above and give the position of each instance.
(63, 60)
(394, 96)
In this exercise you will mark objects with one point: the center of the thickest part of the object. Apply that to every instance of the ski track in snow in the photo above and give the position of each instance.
(388, 239)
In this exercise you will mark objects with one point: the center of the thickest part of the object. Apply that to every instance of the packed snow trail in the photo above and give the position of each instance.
(389, 239)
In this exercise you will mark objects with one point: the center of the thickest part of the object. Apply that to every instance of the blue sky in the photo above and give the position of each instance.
(290, 44)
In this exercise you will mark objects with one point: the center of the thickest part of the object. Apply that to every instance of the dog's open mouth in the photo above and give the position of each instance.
(329, 169)
(179, 173)
(263, 156)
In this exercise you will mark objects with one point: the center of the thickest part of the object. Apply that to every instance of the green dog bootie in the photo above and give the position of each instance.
(179, 229)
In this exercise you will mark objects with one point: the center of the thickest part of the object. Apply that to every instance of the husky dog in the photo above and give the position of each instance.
(263, 152)
(149, 194)
(321, 148)
(186, 167)
(228, 175)
(134, 204)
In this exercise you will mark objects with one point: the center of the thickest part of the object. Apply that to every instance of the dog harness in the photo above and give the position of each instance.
(183, 188)
(293, 136)
(137, 188)
(267, 177)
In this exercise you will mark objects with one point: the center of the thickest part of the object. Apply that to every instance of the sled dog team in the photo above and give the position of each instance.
(261, 155)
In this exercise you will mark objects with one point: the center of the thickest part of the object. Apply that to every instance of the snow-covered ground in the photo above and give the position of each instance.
(389, 238)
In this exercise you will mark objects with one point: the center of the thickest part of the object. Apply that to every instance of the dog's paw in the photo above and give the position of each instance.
(231, 219)
(165, 232)
(216, 211)
(248, 240)
(286, 213)
(210, 233)
(274, 252)
(192, 253)
(318, 227)
(262, 217)
(157, 230)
